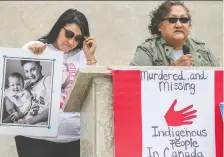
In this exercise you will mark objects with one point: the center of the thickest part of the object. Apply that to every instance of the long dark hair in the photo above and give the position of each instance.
(68, 17)
(161, 12)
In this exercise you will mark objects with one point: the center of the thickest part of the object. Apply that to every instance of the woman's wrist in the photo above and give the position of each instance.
(91, 60)
(90, 57)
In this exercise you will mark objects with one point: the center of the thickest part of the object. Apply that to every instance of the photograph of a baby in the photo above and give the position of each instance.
(27, 93)
(17, 100)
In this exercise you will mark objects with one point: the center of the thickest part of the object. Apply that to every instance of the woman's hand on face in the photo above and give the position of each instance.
(37, 48)
(89, 47)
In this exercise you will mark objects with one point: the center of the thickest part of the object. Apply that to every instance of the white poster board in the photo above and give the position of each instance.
(168, 112)
(182, 125)
(30, 92)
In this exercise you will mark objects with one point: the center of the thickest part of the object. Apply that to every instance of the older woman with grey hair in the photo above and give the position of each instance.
(170, 44)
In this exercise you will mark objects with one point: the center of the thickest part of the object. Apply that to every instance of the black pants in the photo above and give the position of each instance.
(28, 147)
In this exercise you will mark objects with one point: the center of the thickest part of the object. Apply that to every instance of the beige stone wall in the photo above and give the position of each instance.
(118, 27)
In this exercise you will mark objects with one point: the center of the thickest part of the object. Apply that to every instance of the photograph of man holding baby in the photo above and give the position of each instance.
(26, 98)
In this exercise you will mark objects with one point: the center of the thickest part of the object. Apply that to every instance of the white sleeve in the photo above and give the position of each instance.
(30, 43)
(82, 59)
(24, 102)
(47, 84)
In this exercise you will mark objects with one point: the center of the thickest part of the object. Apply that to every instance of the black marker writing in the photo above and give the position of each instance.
(170, 86)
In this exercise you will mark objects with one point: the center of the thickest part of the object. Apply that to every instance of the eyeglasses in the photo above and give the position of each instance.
(69, 34)
(175, 19)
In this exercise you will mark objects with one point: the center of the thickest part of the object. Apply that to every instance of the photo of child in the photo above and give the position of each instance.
(17, 100)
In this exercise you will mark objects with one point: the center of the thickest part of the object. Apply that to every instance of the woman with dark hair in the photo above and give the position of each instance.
(170, 44)
(70, 36)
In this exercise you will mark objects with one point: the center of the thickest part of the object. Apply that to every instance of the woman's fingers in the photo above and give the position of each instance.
(37, 48)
